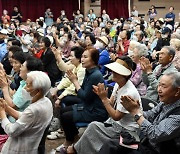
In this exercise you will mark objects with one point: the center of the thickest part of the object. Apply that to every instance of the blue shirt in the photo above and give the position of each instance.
(104, 58)
(3, 50)
(170, 15)
(18, 99)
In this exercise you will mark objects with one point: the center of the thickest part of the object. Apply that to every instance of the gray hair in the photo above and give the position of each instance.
(171, 50)
(40, 80)
(175, 76)
(142, 50)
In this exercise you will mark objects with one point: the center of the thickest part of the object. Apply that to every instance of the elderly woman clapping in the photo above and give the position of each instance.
(26, 133)
(139, 51)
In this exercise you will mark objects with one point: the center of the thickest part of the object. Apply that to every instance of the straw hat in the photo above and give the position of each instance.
(104, 39)
(120, 67)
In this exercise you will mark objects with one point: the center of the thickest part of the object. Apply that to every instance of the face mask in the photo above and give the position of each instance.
(135, 38)
(178, 31)
(115, 23)
(99, 45)
(130, 52)
(65, 39)
(5, 40)
(61, 32)
(82, 38)
(164, 35)
(26, 95)
(103, 33)
(48, 31)
(119, 38)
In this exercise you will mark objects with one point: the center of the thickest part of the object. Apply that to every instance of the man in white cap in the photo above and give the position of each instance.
(104, 57)
(3, 45)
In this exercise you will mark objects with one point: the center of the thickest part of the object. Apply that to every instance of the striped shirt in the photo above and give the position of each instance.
(161, 124)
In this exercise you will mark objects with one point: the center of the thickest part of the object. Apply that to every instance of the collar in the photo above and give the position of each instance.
(166, 66)
(89, 71)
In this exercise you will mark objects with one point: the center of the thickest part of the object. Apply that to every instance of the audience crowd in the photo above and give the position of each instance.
(118, 77)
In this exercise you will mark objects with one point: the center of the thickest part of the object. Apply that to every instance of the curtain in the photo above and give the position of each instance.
(115, 8)
(33, 9)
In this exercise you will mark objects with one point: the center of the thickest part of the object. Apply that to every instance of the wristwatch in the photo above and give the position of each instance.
(137, 116)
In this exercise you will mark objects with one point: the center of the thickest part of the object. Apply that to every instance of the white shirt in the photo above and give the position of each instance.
(27, 39)
(26, 133)
(128, 89)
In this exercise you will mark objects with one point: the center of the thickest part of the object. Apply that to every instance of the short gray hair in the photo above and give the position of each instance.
(171, 50)
(142, 50)
(175, 76)
(40, 80)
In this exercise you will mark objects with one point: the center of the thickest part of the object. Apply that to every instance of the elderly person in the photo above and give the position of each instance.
(94, 136)
(104, 57)
(132, 46)
(17, 101)
(140, 51)
(90, 108)
(26, 133)
(65, 90)
(160, 126)
(176, 44)
(152, 77)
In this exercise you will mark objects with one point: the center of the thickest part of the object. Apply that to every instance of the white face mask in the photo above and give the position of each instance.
(5, 40)
(26, 95)
(130, 52)
(103, 33)
(164, 35)
(61, 33)
(135, 38)
(48, 31)
(99, 45)
(119, 38)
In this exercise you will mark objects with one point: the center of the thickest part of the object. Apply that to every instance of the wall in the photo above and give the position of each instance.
(143, 6)
(96, 6)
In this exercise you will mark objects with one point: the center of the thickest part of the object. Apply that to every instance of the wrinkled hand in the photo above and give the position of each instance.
(146, 66)
(71, 76)
(100, 90)
(3, 79)
(130, 104)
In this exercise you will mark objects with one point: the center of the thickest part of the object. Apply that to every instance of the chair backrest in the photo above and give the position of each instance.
(41, 148)
(147, 104)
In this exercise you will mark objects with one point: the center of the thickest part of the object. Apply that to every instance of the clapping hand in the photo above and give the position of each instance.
(3, 103)
(3, 79)
(100, 90)
(71, 76)
(130, 104)
(146, 66)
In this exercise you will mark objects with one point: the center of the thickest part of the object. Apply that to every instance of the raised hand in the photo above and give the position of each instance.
(57, 53)
(146, 66)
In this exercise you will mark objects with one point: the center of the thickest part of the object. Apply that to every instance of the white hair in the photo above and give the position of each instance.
(142, 50)
(133, 44)
(40, 80)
